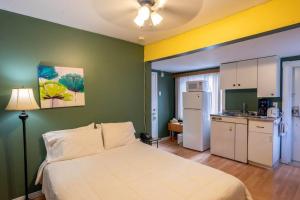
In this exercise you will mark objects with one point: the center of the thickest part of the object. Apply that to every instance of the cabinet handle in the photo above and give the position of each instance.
(233, 85)
(272, 94)
(260, 127)
(239, 84)
(230, 129)
(216, 118)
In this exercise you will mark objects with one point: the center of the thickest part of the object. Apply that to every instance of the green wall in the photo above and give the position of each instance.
(166, 102)
(114, 81)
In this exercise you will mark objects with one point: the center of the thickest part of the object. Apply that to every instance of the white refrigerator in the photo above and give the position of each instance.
(196, 120)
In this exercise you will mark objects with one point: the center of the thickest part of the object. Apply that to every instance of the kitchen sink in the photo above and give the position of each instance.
(238, 114)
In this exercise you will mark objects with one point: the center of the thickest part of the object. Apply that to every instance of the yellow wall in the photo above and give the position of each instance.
(265, 17)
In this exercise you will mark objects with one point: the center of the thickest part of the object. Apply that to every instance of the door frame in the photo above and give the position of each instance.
(154, 102)
(287, 90)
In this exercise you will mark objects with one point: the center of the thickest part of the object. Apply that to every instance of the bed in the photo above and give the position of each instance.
(138, 172)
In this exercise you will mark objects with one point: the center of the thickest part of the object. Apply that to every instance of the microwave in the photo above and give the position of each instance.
(196, 86)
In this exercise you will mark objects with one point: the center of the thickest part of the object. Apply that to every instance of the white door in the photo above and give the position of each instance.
(289, 139)
(154, 105)
(296, 120)
(228, 76)
(247, 74)
(222, 139)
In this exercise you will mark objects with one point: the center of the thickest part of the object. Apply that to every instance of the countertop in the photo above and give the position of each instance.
(249, 117)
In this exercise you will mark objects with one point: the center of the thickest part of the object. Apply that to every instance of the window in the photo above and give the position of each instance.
(214, 87)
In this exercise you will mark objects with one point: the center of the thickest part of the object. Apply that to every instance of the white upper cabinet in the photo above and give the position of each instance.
(228, 75)
(247, 74)
(268, 77)
(239, 75)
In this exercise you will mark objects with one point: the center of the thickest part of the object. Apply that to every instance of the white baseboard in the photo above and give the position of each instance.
(31, 195)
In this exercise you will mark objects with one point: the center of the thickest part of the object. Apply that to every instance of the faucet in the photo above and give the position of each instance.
(244, 108)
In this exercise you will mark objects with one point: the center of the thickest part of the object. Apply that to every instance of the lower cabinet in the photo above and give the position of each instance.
(241, 143)
(264, 143)
(222, 139)
(229, 139)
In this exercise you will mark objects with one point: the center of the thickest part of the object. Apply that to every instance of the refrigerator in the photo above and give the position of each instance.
(196, 120)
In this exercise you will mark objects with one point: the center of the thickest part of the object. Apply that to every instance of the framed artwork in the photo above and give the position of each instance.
(61, 86)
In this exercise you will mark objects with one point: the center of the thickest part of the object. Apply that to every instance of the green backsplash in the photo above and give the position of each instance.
(234, 99)
(114, 82)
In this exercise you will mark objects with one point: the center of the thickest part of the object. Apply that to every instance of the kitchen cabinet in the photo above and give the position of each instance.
(268, 77)
(228, 75)
(239, 75)
(264, 143)
(222, 139)
(229, 138)
(247, 74)
(241, 143)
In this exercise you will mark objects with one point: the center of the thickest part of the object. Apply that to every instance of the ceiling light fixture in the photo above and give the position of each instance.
(156, 18)
(148, 10)
(139, 21)
(144, 12)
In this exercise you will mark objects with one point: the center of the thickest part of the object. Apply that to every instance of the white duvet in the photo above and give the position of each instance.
(138, 172)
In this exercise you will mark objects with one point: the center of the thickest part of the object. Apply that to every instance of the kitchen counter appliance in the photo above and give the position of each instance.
(263, 105)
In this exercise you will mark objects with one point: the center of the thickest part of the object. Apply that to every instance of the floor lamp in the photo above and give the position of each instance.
(23, 100)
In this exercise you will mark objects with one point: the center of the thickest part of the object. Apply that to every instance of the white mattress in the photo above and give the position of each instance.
(138, 172)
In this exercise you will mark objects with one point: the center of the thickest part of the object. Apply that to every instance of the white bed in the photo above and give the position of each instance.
(138, 172)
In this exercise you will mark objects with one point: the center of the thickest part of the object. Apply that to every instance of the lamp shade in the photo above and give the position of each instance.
(22, 99)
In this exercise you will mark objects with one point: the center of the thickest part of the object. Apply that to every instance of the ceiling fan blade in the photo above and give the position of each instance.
(159, 4)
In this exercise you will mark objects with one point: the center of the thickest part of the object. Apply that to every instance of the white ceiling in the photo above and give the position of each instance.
(283, 44)
(115, 17)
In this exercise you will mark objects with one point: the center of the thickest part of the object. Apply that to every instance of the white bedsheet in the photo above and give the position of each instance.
(138, 172)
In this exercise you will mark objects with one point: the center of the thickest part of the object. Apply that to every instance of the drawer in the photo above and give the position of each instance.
(261, 127)
(236, 120)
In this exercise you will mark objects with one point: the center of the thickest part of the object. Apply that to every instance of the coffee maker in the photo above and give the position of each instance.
(263, 105)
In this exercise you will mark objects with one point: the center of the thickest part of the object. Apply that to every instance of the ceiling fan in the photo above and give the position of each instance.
(148, 12)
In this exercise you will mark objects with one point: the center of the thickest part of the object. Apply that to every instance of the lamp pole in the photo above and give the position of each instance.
(23, 99)
(23, 116)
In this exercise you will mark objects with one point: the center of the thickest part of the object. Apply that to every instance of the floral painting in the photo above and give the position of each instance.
(61, 86)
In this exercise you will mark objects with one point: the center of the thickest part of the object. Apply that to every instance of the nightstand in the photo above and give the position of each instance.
(151, 141)
(174, 128)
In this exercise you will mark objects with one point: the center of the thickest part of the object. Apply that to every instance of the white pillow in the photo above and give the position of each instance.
(50, 136)
(117, 134)
(70, 144)
(90, 126)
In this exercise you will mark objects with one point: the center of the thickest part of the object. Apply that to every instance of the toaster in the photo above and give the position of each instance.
(273, 112)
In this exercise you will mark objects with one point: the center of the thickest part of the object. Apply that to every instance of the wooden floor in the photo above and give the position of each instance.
(280, 184)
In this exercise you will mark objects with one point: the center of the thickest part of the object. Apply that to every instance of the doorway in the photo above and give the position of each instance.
(296, 115)
(290, 112)
(154, 105)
